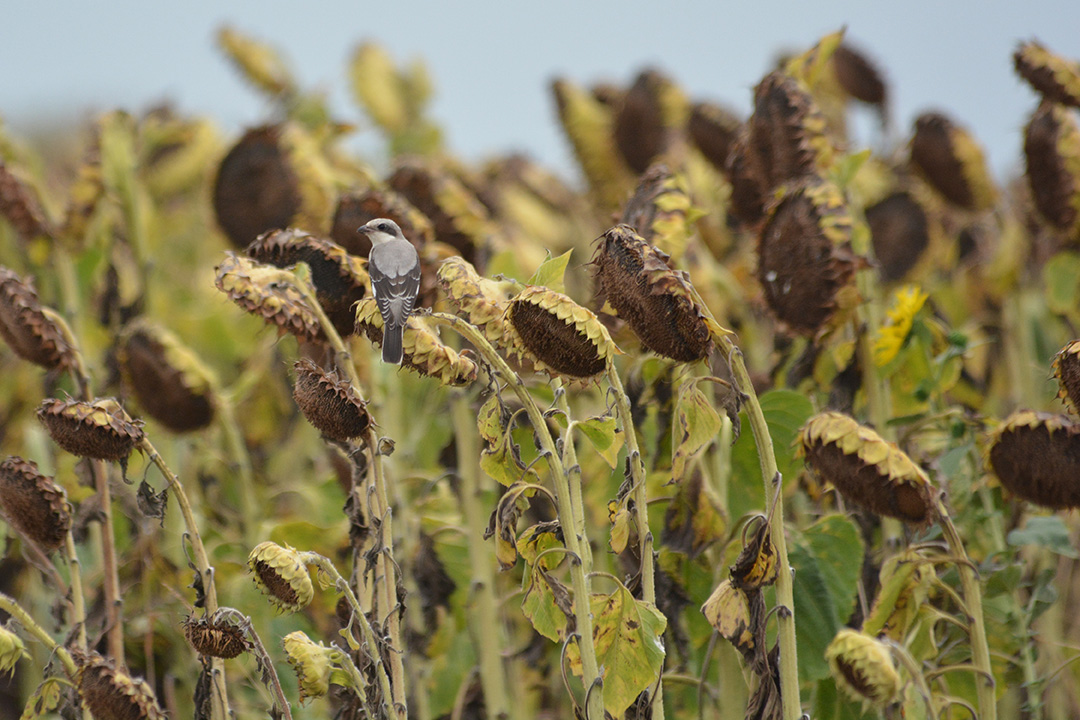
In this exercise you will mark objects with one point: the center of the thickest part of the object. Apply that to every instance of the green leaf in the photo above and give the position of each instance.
(604, 436)
(1047, 531)
(696, 425)
(547, 604)
(831, 704)
(44, 701)
(827, 561)
(501, 461)
(785, 412)
(489, 420)
(551, 271)
(538, 538)
(627, 634)
(1061, 277)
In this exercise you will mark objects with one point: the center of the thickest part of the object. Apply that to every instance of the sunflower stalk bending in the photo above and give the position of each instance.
(578, 570)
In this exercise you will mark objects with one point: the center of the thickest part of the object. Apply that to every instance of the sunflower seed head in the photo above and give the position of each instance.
(329, 402)
(34, 504)
(281, 575)
(259, 290)
(99, 429)
(1036, 456)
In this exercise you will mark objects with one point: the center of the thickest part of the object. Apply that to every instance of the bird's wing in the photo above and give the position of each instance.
(395, 282)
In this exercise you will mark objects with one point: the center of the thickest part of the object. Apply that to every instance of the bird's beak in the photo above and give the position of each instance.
(363, 229)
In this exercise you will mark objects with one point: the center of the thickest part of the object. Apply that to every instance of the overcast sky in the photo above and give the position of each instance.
(492, 65)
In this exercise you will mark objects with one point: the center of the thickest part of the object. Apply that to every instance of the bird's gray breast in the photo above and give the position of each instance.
(393, 259)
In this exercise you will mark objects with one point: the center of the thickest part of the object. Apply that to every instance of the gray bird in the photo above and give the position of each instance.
(394, 268)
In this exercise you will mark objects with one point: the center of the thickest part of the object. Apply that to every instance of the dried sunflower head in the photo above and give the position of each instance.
(557, 335)
(170, 383)
(951, 161)
(357, 208)
(256, 188)
(858, 76)
(33, 504)
(650, 111)
(1052, 154)
(312, 663)
(99, 429)
(787, 132)
(329, 402)
(874, 474)
(422, 349)
(1036, 456)
(657, 303)
(1067, 371)
(19, 205)
(713, 130)
(27, 328)
(483, 302)
(1054, 77)
(863, 666)
(805, 261)
(340, 279)
(214, 637)
(748, 187)
(112, 694)
(259, 290)
(281, 575)
(661, 211)
(900, 233)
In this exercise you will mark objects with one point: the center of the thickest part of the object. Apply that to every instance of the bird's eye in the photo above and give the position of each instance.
(385, 227)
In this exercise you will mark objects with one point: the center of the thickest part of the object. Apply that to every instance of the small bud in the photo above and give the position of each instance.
(281, 575)
(12, 649)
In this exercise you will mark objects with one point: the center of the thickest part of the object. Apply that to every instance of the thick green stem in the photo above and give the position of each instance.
(220, 699)
(969, 584)
(641, 510)
(9, 605)
(325, 566)
(578, 572)
(488, 634)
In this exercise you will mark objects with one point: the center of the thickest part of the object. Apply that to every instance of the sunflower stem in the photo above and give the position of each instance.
(11, 606)
(265, 663)
(78, 603)
(578, 571)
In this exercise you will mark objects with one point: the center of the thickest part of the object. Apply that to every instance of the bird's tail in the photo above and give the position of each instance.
(391, 344)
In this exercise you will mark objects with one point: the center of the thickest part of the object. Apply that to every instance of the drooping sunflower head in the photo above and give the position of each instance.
(214, 637)
(19, 205)
(648, 114)
(907, 302)
(1052, 154)
(357, 208)
(661, 211)
(260, 290)
(899, 232)
(329, 402)
(657, 302)
(805, 261)
(100, 429)
(560, 337)
(788, 139)
(874, 474)
(859, 77)
(1067, 371)
(113, 694)
(33, 503)
(1054, 77)
(951, 161)
(281, 575)
(863, 667)
(27, 328)
(422, 350)
(169, 381)
(312, 663)
(483, 302)
(713, 130)
(1036, 456)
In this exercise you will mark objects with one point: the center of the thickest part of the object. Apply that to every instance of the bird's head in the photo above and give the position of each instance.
(381, 230)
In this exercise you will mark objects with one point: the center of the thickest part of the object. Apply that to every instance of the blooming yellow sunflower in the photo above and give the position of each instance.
(906, 304)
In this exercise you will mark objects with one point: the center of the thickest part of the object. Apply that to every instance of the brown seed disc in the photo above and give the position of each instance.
(555, 341)
(162, 389)
(865, 485)
(20, 207)
(803, 262)
(649, 296)
(114, 695)
(747, 184)
(858, 76)
(329, 403)
(1053, 187)
(933, 152)
(215, 638)
(713, 130)
(1055, 78)
(100, 429)
(1037, 457)
(455, 222)
(357, 208)
(639, 129)
(33, 504)
(31, 334)
(249, 285)
(340, 280)
(256, 188)
(1067, 371)
(900, 233)
(275, 585)
(786, 130)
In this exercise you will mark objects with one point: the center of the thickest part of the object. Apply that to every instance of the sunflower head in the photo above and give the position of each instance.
(646, 119)
(169, 381)
(19, 205)
(907, 303)
(1054, 77)
(214, 637)
(858, 76)
(1052, 154)
(1067, 371)
(329, 402)
(481, 301)
(713, 130)
(355, 209)
(660, 210)
(27, 328)
(863, 667)
(33, 503)
(559, 336)
(280, 573)
(259, 290)
(312, 663)
(899, 232)
(422, 350)
(951, 161)
(868, 471)
(1036, 456)
(111, 693)
(788, 137)
(99, 429)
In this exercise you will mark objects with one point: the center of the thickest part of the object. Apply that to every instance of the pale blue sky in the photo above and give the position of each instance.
(492, 65)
